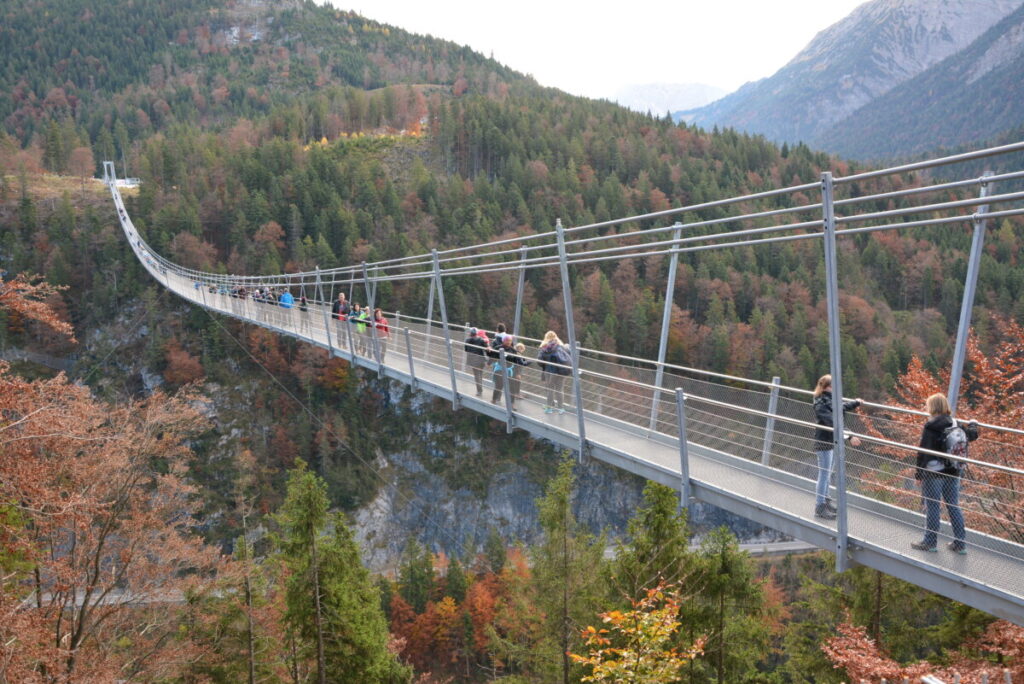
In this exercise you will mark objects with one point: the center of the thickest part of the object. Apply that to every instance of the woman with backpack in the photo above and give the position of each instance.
(823, 507)
(555, 364)
(940, 477)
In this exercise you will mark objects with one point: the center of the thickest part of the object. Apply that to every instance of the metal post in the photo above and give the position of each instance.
(408, 352)
(444, 324)
(519, 293)
(570, 328)
(836, 365)
(684, 457)
(769, 424)
(430, 319)
(373, 325)
(507, 384)
(351, 340)
(967, 305)
(666, 322)
(323, 307)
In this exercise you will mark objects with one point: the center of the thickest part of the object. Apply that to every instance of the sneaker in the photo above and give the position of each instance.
(822, 511)
(561, 411)
(830, 506)
(957, 547)
(924, 546)
(549, 409)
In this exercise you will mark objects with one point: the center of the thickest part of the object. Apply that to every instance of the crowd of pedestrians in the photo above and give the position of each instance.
(504, 359)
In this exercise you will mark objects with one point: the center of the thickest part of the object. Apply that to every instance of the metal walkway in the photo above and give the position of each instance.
(746, 446)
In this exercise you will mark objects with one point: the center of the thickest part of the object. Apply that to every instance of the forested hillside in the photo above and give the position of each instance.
(273, 136)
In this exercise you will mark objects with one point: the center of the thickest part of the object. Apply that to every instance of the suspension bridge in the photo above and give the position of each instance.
(743, 444)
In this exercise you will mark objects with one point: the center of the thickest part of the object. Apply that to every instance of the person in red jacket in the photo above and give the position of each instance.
(382, 331)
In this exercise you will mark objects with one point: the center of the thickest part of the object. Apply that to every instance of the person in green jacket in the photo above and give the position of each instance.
(362, 340)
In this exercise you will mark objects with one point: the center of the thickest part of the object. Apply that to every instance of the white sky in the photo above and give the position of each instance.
(594, 48)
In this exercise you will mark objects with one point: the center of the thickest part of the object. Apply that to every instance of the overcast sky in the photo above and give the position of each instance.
(594, 48)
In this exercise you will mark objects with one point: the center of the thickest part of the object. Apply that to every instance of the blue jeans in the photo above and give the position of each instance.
(824, 476)
(936, 488)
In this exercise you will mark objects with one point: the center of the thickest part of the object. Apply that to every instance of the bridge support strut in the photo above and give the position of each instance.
(666, 322)
(684, 456)
(570, 329)
(967, 305)
(836, 364)
(447, 334)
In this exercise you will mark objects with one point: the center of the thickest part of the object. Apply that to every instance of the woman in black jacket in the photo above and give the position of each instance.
(939, 481)
(823, 507)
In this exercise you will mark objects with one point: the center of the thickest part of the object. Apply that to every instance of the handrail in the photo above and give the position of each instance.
(586, 253)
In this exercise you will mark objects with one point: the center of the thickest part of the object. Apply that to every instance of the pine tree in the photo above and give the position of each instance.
(416, 576)
(658, 549)
(567, 569)
(302, 518)
(727, 607)
(332, 606)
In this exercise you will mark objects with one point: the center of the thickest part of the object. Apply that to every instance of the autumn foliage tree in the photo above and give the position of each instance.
(638, 645)
(862, 658)
(97, 527)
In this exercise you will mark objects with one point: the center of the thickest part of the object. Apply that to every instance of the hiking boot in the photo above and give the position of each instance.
(924, 546)
(822, 511)
(957, 547)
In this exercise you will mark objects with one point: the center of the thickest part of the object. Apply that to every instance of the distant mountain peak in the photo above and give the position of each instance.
(659, 98)
(880, 45)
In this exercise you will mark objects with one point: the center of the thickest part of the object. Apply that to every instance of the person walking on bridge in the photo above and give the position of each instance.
(381, 331)
(555, 364)
(517, 362)
(940, 477)
(339, 311)
(501, 370)
(476, 358)
(361, 316)
(823, 507)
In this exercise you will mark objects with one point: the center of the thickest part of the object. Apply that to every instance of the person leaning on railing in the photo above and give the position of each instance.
(939, 477)
(823, 507)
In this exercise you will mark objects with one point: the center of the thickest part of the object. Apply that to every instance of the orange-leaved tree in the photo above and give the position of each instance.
(638, 644)
(863, 659)
(95, 526)
(27, 298)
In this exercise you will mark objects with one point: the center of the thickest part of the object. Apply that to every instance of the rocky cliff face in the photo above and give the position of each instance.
(880, 45)
(444, 479)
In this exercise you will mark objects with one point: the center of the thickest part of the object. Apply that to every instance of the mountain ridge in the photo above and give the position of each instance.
(969, 97)
(877, 47)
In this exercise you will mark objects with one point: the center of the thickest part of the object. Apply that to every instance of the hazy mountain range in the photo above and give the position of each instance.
(894, 78)
(659, 98)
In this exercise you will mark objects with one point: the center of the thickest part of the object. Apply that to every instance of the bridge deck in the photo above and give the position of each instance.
(989, 577)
